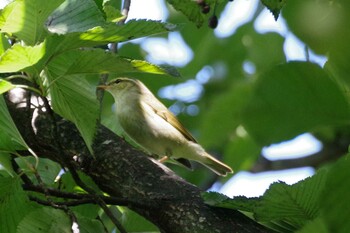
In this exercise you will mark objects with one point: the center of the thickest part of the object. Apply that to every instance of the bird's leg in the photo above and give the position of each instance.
(162, 160)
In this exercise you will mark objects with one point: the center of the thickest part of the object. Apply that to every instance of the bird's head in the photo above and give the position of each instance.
(120, 86)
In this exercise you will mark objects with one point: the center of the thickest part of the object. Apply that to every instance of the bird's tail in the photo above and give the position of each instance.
(215, 165)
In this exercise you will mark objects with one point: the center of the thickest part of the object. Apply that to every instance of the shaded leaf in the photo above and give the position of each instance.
(283, 207)
(294, 204)
(190, 9)
(274, 6)
(239, 203)
(242, 152)
(315, 226)
(10, 138)
(336, 197)
(75, 16)
(74, 99)
(14, 204)
(133, 222)
(47, 169)
(291, 99)
(5, 163)
(224, 115)
(88, 225)
(45, 219)
(4, 44)
(25, 19)
(320, 24)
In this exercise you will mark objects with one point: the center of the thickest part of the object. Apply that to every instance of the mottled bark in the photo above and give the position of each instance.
(153, 190)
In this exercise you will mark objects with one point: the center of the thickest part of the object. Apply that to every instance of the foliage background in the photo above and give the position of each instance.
(279, 101)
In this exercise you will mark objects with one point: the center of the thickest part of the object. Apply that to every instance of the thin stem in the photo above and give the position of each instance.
(29, 88)
(17, 76)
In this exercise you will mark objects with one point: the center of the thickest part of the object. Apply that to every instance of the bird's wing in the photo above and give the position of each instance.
(169, 117)
(164, 113)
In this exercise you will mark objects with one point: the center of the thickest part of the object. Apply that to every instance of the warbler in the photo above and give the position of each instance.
(154, 128)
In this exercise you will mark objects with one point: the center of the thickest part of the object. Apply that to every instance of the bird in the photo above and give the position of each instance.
(150, 124)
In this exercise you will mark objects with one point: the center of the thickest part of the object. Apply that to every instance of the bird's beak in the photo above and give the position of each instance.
(104, 87)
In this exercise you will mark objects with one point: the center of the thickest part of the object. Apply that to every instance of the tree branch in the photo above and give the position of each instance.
(158, 194)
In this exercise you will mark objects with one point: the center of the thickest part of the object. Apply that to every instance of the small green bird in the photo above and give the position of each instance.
(152, 126)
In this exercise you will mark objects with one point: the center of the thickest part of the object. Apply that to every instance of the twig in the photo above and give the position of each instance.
(99, 201)
(113, 48)
(19, 171)
(81, 196)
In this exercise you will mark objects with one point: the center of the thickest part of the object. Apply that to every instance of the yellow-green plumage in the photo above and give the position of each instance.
(152, 126)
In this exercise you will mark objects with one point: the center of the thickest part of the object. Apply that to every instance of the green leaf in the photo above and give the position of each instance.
(242, 152)
(88, 225)
(320, 24)
(4, 44)
(291, 99)
(19, 58)
(47, 169)
(239, 203)
(5, 163)
(10, 138)
(98, 61)
(111, 33)
(295, 204)
(44, 220)
(190, 9)
(284, 207)
(315, 226)
(133, 222)
(274, 6)
(25, 19)
(5, 86)
(74, 99)
(112, 14)
(75, 16)
(221, 110)
(336, 197)
(14, 204)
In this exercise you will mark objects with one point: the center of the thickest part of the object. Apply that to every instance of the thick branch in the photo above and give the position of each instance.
(120, 170)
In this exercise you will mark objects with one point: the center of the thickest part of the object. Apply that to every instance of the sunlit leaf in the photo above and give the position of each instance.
(19, 57)
(5, 86)
(99, 61)
(25, 19)
(111, 33)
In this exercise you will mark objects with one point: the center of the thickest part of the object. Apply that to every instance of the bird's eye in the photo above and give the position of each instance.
(117, 81)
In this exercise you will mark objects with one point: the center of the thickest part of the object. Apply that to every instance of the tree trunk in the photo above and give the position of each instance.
(151, 189)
